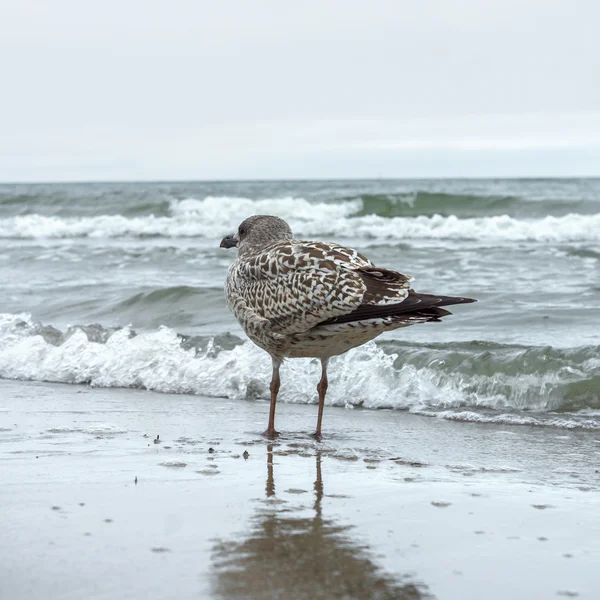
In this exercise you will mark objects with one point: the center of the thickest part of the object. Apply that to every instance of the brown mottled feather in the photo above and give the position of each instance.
(302, 298)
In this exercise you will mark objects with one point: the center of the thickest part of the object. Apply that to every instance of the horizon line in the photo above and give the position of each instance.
(297, 179)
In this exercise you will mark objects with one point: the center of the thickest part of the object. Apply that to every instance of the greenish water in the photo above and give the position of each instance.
(145, 256)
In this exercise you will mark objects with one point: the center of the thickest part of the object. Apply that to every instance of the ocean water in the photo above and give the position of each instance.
(121, 285)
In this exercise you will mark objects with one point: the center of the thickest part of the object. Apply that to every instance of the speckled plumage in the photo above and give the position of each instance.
(298, 298)
(282, 295)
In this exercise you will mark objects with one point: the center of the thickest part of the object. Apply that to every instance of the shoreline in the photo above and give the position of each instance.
(396, 504)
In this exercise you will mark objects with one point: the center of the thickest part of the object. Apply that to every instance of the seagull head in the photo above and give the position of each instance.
(254, 233)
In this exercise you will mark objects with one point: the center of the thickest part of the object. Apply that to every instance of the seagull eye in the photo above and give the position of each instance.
(242, 231)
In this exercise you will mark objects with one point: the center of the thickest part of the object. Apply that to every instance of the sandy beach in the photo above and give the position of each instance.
(389, 505)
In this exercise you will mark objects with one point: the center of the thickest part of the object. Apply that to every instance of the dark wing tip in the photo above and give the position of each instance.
(418, 305)
(435, 300)
(464, 300)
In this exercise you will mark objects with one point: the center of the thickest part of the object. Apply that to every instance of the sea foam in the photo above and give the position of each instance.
(368, 376)
(212, 217)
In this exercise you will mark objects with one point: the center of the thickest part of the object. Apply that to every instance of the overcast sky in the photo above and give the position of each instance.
(229, 89)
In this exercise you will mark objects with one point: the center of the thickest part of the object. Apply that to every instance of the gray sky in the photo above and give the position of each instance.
(227, 89)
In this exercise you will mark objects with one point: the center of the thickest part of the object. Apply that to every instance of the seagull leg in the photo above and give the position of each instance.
(274, 387)
(322, 389)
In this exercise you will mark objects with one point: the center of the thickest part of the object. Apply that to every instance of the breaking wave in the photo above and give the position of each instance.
(215, 216)
(421, 203)
(471, 381)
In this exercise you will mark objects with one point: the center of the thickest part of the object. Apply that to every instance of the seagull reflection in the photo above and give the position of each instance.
(289, 555)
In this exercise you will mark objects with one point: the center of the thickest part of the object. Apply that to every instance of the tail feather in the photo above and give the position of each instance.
(414, 305)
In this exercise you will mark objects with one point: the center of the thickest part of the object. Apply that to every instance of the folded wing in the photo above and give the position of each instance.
(296, 286)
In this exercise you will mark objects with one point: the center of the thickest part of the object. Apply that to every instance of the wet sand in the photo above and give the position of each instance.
(389, 505)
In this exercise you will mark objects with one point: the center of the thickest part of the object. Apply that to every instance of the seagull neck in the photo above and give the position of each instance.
(248, 250)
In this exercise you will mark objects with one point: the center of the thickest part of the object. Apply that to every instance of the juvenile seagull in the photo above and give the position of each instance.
(299, 299)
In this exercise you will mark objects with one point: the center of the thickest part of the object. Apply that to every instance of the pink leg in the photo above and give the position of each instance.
(322, 389)
(274, 387)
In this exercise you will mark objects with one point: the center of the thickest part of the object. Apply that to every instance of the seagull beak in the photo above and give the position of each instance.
(229, 241)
